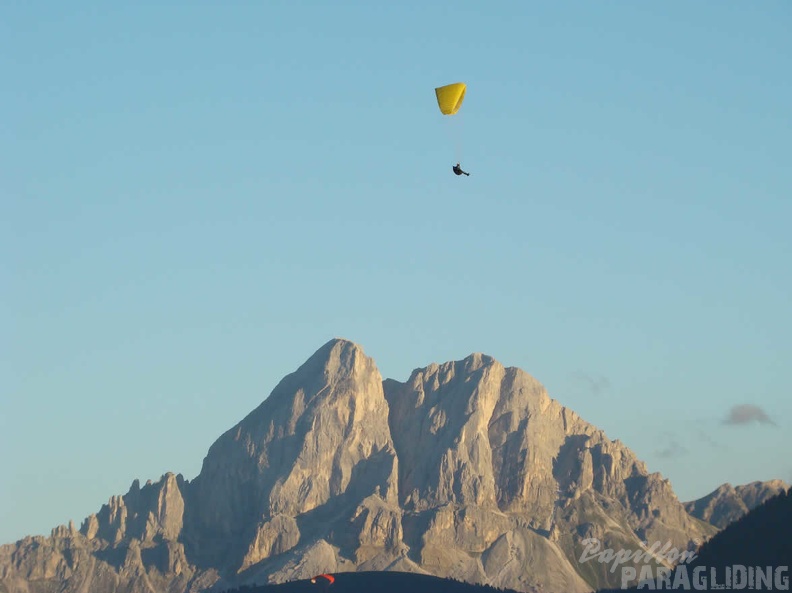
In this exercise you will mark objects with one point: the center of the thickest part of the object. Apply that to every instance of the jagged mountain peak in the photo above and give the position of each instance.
(450, 369)
(338, 356)
(727, 502)
(338, 360)
(319, 433)
(339, 363)
(153, 511)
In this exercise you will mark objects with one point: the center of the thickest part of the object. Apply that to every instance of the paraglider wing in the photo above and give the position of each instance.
(328, 579)
(450, 97)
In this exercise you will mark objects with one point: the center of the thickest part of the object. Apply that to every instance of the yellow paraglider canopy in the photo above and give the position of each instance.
(450, 97)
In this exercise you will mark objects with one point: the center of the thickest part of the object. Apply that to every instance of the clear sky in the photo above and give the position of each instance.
(197, 195)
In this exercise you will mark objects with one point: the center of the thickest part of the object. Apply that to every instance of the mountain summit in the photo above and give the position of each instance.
(467, 470)
(728, 503)
(319, 445)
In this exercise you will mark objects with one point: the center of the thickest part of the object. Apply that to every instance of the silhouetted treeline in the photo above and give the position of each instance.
(381, 582)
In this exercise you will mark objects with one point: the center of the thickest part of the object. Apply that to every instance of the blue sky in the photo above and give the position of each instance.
(196, 197)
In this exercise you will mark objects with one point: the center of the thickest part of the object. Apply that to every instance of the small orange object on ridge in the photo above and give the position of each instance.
(330, 578)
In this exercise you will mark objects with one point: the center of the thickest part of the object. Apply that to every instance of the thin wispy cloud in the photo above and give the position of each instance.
(743, 414)
(673, 447)
(705, 438)
(595, 383)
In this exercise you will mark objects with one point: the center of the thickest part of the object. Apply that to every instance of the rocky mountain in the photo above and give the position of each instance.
(468, 470)
(728, 503)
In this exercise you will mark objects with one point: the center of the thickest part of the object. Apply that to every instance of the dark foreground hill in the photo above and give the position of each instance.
(752, 554)
(381, 582)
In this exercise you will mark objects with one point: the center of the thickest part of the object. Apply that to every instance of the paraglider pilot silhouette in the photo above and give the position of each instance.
(458, 170)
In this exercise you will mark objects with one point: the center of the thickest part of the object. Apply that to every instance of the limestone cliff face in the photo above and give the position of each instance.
(728, 503)
(318, 446)
(466, 470)
(485, 449)
(131, 544)
(147, 514)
